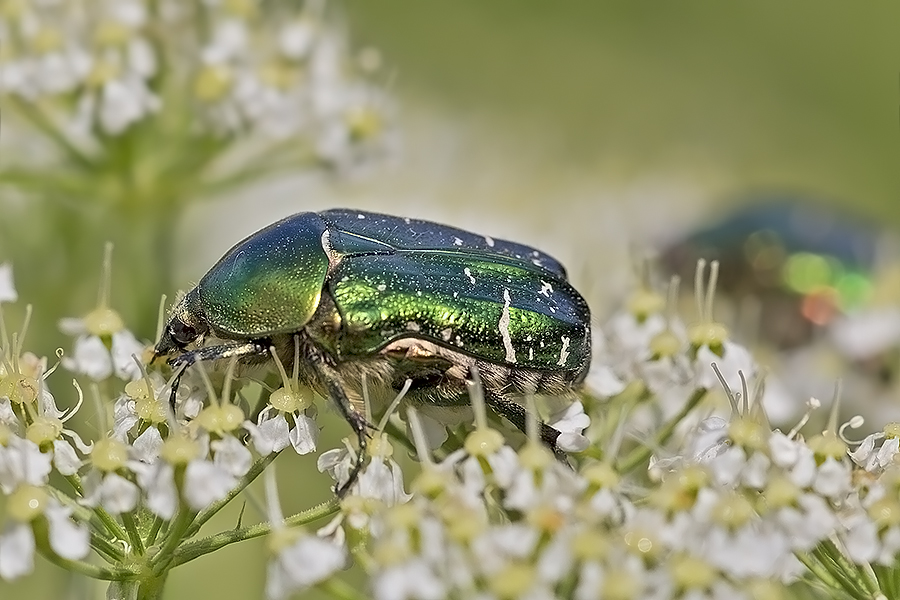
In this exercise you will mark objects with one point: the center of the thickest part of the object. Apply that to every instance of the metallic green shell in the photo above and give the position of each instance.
(484, 307)
(270, 282)
(495, 300)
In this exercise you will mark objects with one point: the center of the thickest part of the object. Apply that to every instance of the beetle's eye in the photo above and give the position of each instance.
(182, 333)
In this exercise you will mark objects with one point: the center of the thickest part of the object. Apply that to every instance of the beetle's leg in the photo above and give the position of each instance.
(187, 359)
(359, 424)
(517, 413)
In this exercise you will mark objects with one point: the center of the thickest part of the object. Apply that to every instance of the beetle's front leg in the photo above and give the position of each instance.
(185, 360)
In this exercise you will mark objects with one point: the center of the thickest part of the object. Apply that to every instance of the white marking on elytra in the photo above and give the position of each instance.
(381, 287)
(490, 241)
(468, 273)
(564, 351)
(546, 288)
(445, 334)
(457, 241)
(412, 326)
(503, 325)
(333, 258)
(360, 216)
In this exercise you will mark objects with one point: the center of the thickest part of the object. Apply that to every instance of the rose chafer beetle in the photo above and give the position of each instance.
(382, 299)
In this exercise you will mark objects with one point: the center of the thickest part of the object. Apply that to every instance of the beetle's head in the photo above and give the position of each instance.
(185, 326)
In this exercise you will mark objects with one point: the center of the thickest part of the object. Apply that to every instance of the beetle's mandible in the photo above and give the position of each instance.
(384, 299)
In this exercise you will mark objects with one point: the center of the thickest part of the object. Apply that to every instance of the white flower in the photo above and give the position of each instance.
(206, 482)
(158, 482)
(22, 463)
(93, 359)
(833, 479)
(306, 562)
(382, 479)
(270, 433)
(16, 551)
(231, 456)
(603, 382)
(68, 539)
(147, 446)
(299, 560)
(111, 491)
(735, 359)
(861, 539)
(7, 290)
(571, 422)
(874, 461)
(410, 580)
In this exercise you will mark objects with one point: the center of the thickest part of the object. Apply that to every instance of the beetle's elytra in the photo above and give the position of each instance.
(386, 299)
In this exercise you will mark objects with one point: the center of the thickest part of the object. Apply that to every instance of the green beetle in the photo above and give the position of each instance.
(386, 299)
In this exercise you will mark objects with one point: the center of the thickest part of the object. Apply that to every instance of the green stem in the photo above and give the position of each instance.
(846, 581)
(341, 590)
(154, 531)
(207, 513)
(112, 526)
(105, 548)
(174, 537)
(191, 550)
(133, 534)
(642, 454)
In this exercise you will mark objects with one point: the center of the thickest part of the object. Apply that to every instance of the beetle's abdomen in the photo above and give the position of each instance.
(270, 282)
(486, 306)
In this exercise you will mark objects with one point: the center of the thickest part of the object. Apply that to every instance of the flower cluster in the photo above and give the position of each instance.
(659, 497)
(108, 66)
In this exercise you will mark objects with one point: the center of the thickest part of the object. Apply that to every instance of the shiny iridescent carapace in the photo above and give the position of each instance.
(361, 296)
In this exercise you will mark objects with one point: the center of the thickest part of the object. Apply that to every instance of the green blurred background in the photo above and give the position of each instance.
(585, 128)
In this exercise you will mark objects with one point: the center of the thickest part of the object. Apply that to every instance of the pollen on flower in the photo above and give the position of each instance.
(483, 442)
(43, 430)
(733, 511)
(109, 455)
(179, 450)
(26, 503)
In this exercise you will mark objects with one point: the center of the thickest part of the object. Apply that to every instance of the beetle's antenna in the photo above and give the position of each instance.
(394, 404)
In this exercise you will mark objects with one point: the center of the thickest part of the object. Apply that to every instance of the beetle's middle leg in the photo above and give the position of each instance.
(518, 415)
